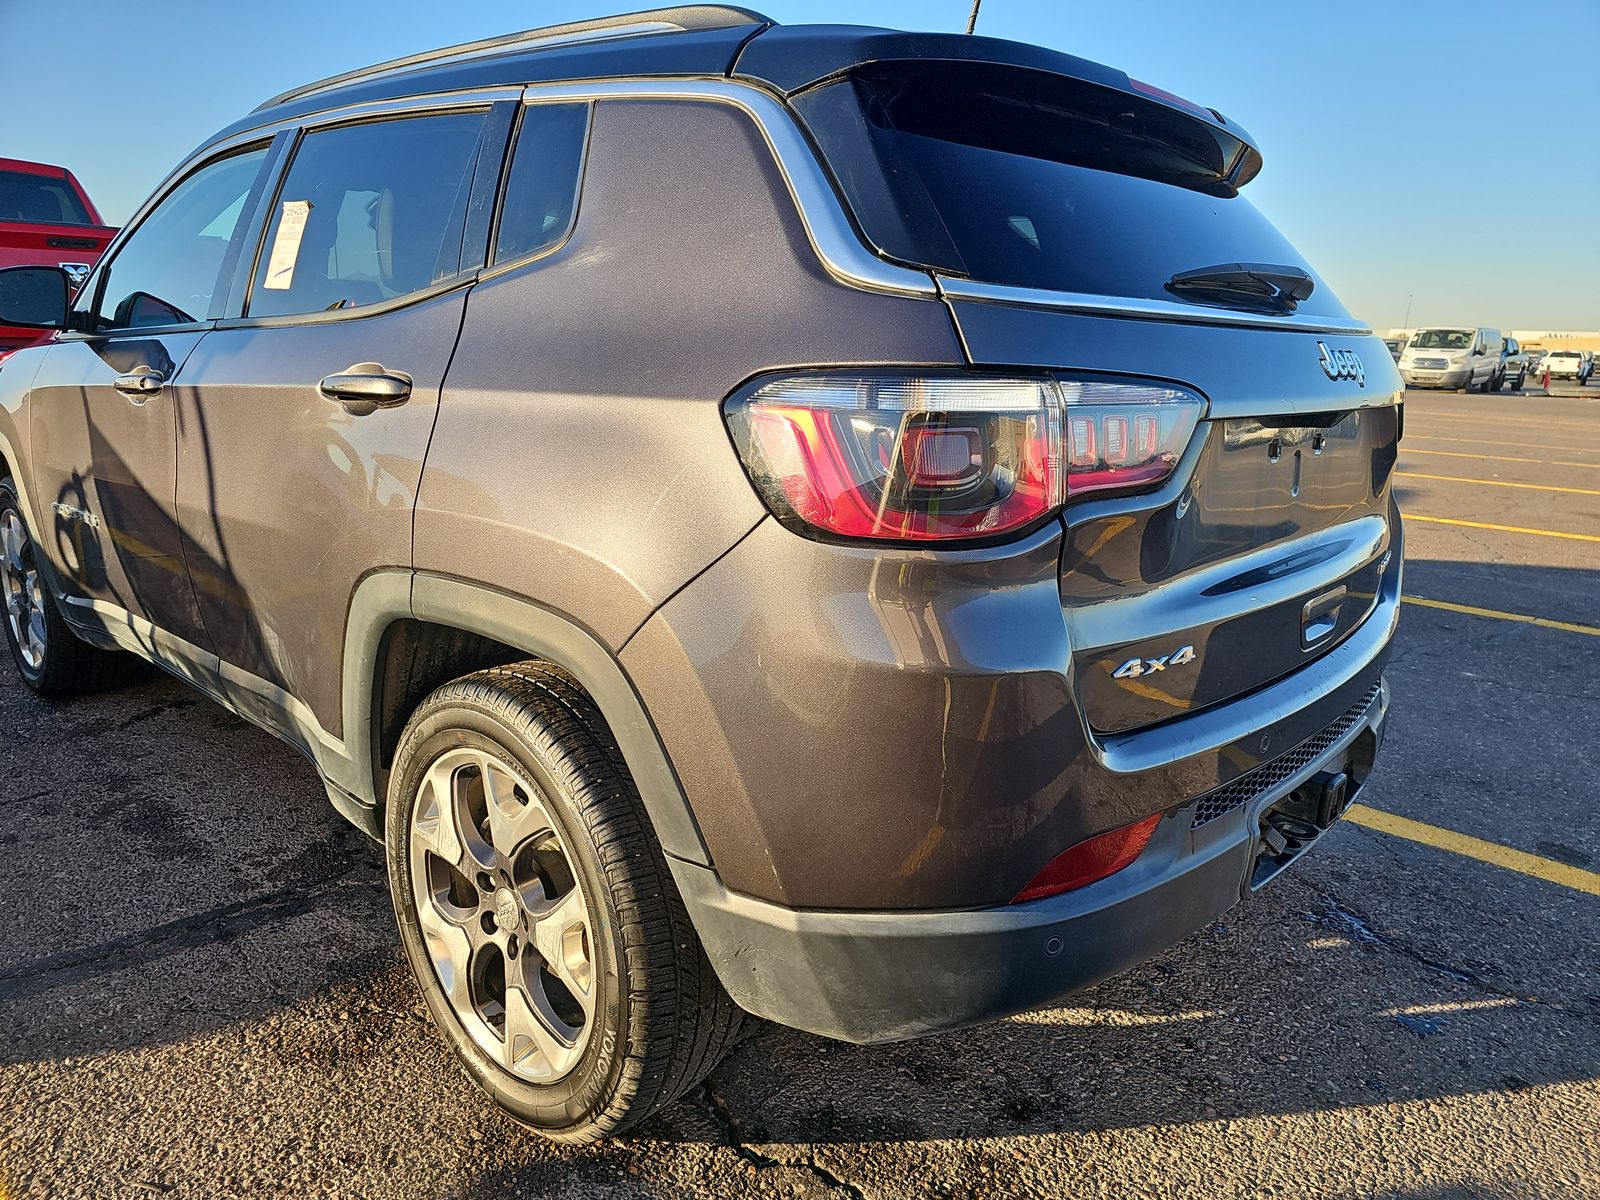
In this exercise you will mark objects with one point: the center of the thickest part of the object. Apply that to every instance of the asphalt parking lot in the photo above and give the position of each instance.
(203, 996)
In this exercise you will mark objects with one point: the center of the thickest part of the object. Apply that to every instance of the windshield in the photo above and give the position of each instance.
(1444, 339)
(40, 200)
(1019, 177)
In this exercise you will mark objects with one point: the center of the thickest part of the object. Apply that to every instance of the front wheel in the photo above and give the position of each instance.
(537, 910)
(51, 659)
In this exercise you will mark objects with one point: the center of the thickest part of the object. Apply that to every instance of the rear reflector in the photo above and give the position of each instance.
(1090, 861)
(943, 457)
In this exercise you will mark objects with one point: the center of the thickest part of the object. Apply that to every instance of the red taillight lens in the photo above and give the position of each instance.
(950, 457)
(1125, 436)
(1090, 861)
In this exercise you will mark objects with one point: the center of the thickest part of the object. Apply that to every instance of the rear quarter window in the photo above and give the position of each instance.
(541, 191)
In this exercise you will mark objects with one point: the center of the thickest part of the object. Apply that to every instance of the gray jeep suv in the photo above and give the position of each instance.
(867, 529)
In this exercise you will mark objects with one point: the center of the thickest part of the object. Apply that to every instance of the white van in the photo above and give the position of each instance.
(1468, 359)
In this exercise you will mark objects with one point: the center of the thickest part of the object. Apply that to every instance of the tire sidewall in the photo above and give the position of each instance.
(11, 501)
(588, 1090)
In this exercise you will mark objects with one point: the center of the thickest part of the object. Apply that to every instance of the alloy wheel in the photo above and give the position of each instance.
(23, 589)
(502, 914)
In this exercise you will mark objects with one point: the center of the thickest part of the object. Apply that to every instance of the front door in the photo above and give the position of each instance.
(105, 402)
(303, 430)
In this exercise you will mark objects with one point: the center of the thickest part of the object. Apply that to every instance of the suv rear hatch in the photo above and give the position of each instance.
(1094, 230)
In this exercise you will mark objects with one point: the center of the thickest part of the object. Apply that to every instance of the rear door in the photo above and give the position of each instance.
(309, 412)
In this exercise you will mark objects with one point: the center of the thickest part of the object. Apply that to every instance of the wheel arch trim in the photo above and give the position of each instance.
(384, 597)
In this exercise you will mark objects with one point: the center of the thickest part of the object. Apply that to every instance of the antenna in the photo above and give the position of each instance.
(972, 21)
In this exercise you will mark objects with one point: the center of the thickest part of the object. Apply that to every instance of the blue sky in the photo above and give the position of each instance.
(1446, 150)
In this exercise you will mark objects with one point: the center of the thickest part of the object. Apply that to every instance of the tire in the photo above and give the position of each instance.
(52, 660)
(613, 1014)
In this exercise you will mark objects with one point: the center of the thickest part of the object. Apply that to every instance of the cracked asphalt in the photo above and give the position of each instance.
(203, 996)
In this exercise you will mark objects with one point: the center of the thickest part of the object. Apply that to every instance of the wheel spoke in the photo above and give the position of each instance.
(532, 1045)
(450, 946)
(438, 819)
(561, 936)
(514, 814)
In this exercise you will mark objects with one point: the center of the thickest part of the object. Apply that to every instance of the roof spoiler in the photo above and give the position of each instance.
(792, 58)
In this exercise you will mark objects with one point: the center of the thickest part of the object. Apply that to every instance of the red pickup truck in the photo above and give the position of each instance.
(46, 219)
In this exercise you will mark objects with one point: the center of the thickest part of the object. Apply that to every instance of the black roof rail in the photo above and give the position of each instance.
(682, 18)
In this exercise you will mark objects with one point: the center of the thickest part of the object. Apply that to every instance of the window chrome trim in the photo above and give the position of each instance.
(828, 229)
(833, 237)
(1146, 310)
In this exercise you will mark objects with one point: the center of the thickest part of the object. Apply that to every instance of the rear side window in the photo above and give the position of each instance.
(541, 194)
(1019, 177)
(367, 213)
(40, 200)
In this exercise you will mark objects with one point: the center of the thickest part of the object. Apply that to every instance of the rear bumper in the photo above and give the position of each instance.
(889, 975)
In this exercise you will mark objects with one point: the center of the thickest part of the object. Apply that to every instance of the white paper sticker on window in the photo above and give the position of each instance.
(286, 246)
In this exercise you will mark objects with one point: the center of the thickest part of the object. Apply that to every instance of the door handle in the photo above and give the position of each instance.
(367, 387)
(139, 384)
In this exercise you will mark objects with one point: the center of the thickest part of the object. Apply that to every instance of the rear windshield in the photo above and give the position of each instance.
(40, 200)
(1014, 176)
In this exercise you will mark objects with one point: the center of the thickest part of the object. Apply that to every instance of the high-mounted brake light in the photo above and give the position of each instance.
(930, 457)
(1150, 89)
(1090, 861)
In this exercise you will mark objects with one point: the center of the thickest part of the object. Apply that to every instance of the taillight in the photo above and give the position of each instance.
(951, 457)
(1090, 861)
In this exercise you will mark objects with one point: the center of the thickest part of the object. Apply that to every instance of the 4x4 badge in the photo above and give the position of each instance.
(1341, 364)
(1136, 667)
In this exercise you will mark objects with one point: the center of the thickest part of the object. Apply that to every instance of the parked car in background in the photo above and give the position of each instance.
(1396, 347)
(46, 219)
(1588, 365)
(1536, 365)
(665, 475)
(1513, 364)
(1466, 358)
(1567, 364)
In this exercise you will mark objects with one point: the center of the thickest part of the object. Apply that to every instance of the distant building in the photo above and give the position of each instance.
(1558, 339)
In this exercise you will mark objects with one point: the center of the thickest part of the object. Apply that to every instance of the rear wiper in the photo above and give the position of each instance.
(1262, 285)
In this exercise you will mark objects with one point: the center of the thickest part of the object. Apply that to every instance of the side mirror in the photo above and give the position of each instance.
(34, 297)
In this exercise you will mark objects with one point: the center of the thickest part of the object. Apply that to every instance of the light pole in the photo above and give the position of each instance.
(1406, 324)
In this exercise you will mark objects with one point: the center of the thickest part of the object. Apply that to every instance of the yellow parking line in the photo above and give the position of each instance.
(1542, 462)
(1520, 861)
(1555, 533)
(1522, 618)
(1530, 487)
(1436, 437)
